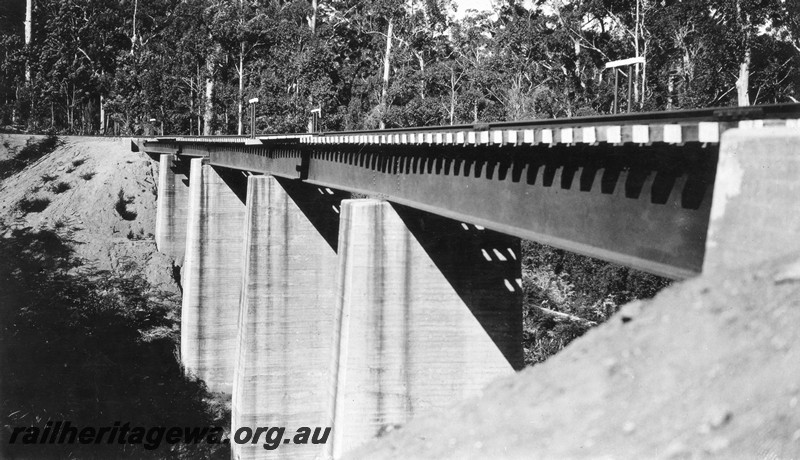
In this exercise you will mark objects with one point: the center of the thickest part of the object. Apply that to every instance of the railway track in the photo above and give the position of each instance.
(670, 127)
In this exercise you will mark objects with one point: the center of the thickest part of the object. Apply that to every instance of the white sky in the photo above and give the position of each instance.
(480, 5)
(464, 5)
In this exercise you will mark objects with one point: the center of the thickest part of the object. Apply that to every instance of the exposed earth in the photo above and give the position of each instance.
(710, 368)
(102, 195)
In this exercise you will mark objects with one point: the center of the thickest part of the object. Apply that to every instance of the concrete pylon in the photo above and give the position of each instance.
(755, 213)
(429, 313)
(171, 209)
(286, 324)
(211, 278)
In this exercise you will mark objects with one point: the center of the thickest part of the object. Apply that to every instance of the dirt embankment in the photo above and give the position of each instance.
(98, 193)
(10, 144)
(710, 368)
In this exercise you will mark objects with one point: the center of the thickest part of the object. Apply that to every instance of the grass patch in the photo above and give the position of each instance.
(79, 162)
(48, 178)
(32, 152)
(88, 175)
(36, 204)
(122, 206)
(60, 187)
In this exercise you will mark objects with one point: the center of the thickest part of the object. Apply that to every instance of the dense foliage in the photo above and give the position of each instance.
(90, 348)
(191, 65)
(566, 294)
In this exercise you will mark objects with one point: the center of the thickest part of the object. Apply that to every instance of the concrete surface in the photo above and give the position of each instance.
(211, 278)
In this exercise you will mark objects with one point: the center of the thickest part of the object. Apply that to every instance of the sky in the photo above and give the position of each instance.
(464, 5)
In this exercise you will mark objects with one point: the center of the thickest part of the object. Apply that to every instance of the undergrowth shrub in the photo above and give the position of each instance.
(122, 206)
(587, 291)
(36, 204)
(60, 187)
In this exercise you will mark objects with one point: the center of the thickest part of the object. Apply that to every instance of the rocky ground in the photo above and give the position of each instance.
(710, 368)
(100, 194)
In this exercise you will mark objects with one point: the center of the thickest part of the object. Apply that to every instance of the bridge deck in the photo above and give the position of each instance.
(632, 189)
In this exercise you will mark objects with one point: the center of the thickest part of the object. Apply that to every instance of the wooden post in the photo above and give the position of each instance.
(616, 89)
(630, 62)
(630, 86)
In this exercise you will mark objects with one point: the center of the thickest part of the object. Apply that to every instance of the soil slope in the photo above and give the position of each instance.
(102, 195)
(709, 368)
(10, 144)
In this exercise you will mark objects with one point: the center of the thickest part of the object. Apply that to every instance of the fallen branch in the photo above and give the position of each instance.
(559, 316)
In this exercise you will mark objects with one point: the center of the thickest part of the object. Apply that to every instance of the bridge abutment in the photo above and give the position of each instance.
(429, 313)
(211, 277)
(287, 310)
(171, 210)
(755, 213)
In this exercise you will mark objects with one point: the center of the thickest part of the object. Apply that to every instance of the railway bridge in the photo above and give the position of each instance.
(355, 279)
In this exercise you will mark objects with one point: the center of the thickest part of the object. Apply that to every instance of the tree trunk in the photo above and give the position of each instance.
(191, 105)
(636, 54)
(28, 34)
(422, 75)
(312, 21)
(452, 96)
(208, 116)
(743, 83)
(313, 26)
(241, 88)
(385, 88)
(199, 119)
(241, 71)
(644, 75)
(103, 124)
(133, 32)
(670, 89)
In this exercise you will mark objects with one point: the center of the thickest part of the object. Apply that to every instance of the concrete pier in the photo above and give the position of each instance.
(755, 213)
(211, 277)
(286, 323)
(171, 209)
(429, 312)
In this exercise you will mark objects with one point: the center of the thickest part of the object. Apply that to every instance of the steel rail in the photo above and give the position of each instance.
(719, 114)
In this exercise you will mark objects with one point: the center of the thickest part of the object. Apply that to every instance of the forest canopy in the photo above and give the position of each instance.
(190, 66)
